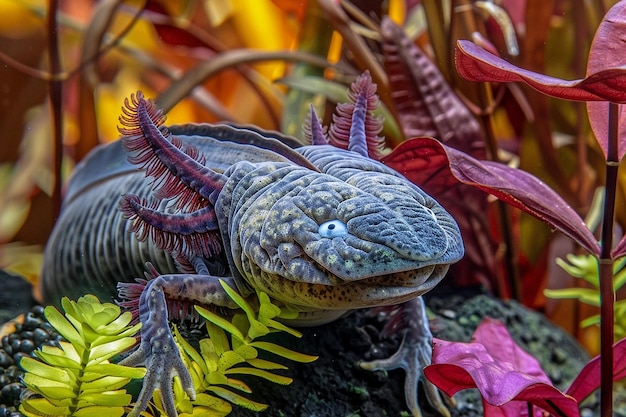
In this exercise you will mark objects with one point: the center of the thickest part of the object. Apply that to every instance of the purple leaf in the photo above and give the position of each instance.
(476, 64)
(427, 161)
(425, 103)
(608, 51)
(588, 380)
(501, 371)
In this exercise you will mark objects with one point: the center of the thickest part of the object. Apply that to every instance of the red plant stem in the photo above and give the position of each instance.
(55, 90)
(606, 268)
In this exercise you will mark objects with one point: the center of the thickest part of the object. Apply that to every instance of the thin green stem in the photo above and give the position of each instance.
(607, 295)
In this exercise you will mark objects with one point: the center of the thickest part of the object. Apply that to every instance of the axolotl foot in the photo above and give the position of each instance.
(158, 352)
(162, 359)
(157, 349)
(413, 355)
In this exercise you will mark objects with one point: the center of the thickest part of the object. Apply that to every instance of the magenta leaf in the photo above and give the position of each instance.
(608, 51)
(427, 161)
(476, 64)
(588, 380)
(501, 371)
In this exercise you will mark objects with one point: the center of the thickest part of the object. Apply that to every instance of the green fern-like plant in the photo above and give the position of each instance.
(585, 267)
(76, 377)
(231, 349)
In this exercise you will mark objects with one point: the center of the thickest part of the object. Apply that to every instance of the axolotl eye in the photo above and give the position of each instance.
(333, 228)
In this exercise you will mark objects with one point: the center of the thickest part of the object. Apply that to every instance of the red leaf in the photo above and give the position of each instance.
(425, 103)
(425, 160)
(501, 371)
(476, 64)
(608, 51)
(588, 380)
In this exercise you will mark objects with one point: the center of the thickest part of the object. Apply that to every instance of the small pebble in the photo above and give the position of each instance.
(27, 337)
(27, 346)
(40, 336)
(11, 393)
(5, 359)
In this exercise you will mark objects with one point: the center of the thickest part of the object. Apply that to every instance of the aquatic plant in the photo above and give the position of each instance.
(76, 378)
(585, 267)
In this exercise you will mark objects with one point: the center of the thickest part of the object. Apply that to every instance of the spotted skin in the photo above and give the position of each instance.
(392, 241)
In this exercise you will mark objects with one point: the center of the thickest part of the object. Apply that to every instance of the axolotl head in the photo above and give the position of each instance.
(355, 235)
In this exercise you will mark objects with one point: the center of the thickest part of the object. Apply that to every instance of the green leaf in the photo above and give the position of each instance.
(284, 352)
(279, 326)
(189, 350)
(58, 360)
(118, 398)
(590, 321)
(220, 322)
(237, 399)
(113, 369)
(267, 310)
(585, 295)
(217, 378)
(238, 385)
(99, 412)
(66, 349)
(210, 355)
(46, 371)
(110, 349)
(42, 407)
(229, 359)
(278, 379)
(118, 325)
(257, 329)
(50, 389)
(247, 352)
(619, 280)
(264, 364)
(214, 403)
(105, 383)
(63, 326)
(238, 299)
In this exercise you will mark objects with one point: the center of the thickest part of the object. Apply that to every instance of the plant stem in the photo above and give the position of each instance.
(606, 268)
(55, 91)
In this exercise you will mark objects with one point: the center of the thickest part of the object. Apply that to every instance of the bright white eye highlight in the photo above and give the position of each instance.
(333, 228)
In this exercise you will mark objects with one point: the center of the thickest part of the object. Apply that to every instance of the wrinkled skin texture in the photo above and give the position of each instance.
(335, 232)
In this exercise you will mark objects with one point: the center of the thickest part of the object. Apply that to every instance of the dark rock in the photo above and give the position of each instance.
(335, 385)
(16, 296)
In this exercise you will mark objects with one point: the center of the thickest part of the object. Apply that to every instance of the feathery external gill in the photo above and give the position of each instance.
(354, 121)
(312, 129)
(188, 234)
(177, 173)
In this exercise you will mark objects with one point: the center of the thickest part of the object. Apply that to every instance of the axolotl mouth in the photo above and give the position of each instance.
(321, 303)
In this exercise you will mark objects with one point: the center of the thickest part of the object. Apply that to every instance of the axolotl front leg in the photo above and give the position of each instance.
(157, 350)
